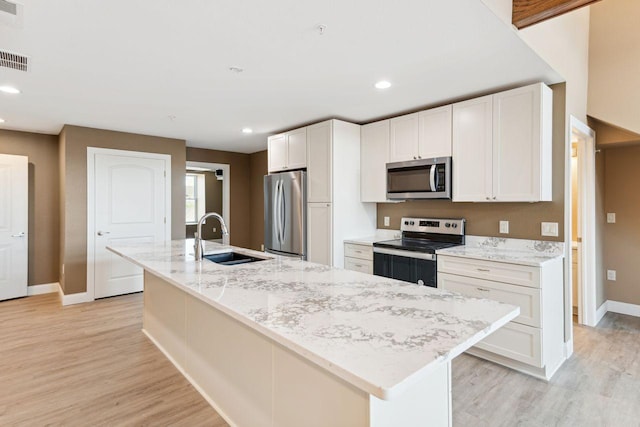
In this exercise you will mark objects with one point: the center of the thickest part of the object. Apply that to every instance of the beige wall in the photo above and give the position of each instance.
(42, 151)
(614, 63)
(483, 218)
(74, 141)
(259, 168)
(622, 248)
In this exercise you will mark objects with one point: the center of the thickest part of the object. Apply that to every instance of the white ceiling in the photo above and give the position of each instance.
(130, 65)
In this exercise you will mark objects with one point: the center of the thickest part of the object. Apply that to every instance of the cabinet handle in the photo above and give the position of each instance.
(414, 158)
(358, 265)
(488, 198)
(483, 290)
(284, 167)
(486, 270)
(494, 197)
(419, 157)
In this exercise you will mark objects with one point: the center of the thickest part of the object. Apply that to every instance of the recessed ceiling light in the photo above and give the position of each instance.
(237, 70)
(383, 84)
(9, 89)
(247, 130)
(1, 120)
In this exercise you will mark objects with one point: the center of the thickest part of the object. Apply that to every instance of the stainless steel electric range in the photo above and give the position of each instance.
(413, 257)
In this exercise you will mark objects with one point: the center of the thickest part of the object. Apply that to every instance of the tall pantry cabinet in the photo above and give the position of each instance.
(334, 209)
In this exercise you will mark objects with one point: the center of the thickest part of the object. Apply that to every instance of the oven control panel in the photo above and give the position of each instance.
(433, 225)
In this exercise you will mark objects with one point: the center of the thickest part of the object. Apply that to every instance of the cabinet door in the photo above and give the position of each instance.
(517, 143)
(374, 156)
(319, 176)
(435, 132)
(297, 149)
(319, 232)
(472, 150)
(277, 154)
(404, 138)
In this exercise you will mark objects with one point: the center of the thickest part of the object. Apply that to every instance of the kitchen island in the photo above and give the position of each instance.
(284, 342)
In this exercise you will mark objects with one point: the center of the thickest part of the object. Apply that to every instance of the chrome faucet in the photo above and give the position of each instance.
(197, 245)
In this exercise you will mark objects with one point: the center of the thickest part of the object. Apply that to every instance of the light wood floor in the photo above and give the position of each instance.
(90, 364)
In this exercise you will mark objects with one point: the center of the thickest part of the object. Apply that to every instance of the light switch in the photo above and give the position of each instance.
(549, 229)
(504, 227)
(386, 221)
(611, 275)
(611, 218)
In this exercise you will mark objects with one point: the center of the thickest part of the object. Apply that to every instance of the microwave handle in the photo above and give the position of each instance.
(432, 178)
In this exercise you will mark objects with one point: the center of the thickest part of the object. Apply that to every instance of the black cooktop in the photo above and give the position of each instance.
(415, 245)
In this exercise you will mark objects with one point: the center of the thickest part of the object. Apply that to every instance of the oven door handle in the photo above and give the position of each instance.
(406, 254)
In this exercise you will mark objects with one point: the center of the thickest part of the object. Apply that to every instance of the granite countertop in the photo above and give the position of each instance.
(380, 236)
(380, 335)
(513, 251)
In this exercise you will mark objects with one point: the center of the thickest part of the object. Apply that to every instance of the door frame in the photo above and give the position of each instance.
(226, 186)
(92, 152)
(586, 138)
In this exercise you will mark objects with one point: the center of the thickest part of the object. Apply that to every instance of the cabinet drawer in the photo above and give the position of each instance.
(358, 251)
(490, 270)
(517, 342)
(528, 299)
(361, 265)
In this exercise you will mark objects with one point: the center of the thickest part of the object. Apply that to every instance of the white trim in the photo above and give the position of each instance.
(587, 211)
(623, 308)
(46, 288)
(226, 187)
(568, 349)
(602, 310)
(71, 299)
(91, 154)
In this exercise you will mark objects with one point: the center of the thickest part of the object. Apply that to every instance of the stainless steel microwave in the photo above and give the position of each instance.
(419, 179)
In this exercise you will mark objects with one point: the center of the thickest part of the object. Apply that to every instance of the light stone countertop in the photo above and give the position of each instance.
(380, 335)
(381, 235)
(513, 251)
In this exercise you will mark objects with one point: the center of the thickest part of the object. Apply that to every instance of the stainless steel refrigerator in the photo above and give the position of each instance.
(285, 214)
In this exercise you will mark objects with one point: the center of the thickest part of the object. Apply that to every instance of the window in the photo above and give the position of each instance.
(195, 201)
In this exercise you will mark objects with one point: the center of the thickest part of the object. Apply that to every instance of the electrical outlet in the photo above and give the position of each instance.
(504, 227)
(549, 229)
(386, 221)
(611, 275)
(611, 218)
(215, 229)
(262, 248)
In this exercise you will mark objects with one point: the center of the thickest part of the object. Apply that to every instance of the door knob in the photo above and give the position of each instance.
(102, 233)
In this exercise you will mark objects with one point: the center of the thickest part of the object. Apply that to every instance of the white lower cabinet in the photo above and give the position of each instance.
(358, 258)
(318, 233)
(533, 342)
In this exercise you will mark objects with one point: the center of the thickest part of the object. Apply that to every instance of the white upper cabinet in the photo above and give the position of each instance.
(472, 150)
(522, 135)
(404, 138)
(288, 150)
(421, 135)
(374, 156)
(502, 146)
(435, 132)
(319, 155)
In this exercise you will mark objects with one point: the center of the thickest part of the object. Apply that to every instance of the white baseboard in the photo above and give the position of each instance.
(74, 298)
(47, 288)
(568, 348)
(601, 311)
(623, 308)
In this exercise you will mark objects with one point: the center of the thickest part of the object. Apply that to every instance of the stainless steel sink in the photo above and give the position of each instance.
(232, 258)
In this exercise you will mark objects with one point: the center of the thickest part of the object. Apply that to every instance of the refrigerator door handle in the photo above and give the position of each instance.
(283, 216)
(276, 212)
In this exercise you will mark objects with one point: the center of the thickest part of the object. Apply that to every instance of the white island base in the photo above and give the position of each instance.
(253, 381)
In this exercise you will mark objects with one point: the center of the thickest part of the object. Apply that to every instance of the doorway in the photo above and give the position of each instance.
(128, 201)
(582, 250)
(207, 190)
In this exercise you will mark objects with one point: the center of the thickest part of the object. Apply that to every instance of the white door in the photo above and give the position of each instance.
(297, 149)
(319, 182)
(14, 217)
(374, 156)
(130, 206)
(277, 153)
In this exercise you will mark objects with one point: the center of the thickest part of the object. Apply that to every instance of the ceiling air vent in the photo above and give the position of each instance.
(8, 7)
(14, 61)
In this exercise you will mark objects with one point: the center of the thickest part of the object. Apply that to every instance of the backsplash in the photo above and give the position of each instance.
(541, 246)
